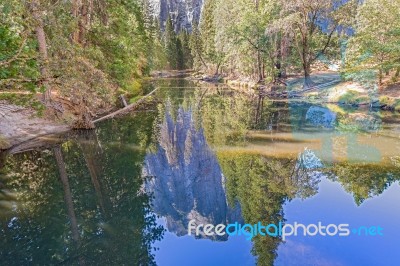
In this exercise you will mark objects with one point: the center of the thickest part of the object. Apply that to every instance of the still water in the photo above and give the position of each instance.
(124, 193)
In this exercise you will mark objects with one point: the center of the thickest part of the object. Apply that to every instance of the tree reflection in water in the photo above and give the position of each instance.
(211, 154)
(80, 204)
(256, 181)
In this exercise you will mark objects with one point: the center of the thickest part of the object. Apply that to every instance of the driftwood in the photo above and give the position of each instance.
(125, 109)
(316, 87)
(123, 101)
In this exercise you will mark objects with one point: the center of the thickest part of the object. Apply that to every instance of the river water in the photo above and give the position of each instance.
(125, 193)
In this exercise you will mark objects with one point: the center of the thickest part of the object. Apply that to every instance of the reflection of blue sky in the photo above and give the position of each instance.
(333, 205)
(196, 188)
(187, 250)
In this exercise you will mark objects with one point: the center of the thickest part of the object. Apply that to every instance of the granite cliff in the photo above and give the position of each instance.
(183, 12)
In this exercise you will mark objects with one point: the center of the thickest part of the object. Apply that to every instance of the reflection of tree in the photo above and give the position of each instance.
(364, 180)
(4, 194)
(36, 217)
(68, 199)
(261, 185)
(121, 231)
(305, 176)
(226, 120)
(271, 115)
(92, 152)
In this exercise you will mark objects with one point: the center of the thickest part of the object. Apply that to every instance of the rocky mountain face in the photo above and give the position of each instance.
(186, 179)
(183, 12)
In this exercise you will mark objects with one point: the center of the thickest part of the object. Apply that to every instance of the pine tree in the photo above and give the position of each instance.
(196, 47)
(170, 40)
(180, 60)
(184, 37)
(208, 30)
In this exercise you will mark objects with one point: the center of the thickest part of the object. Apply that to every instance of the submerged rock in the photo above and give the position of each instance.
(365, 122)
(320, 116)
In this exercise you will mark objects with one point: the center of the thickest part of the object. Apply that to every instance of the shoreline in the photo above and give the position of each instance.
(20, 125)
(333, 91)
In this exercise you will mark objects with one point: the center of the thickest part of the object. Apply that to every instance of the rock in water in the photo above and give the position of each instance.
(320, 116)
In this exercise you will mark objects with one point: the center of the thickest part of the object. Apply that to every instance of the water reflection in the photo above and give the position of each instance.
(187, 182)
(268, 153)
(80, 204)
(211, 154)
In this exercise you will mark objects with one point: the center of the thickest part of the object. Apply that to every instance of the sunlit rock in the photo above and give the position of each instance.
(183, 13)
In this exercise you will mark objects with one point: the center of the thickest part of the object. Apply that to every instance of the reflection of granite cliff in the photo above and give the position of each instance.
(187, 181)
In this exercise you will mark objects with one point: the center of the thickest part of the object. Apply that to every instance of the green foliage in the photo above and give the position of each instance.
(18, 67)
(208, 32)
(184, 37)
(114, 219)
(171, 44)
(353, 97)
(261, 185)
(117, 45)
(27, 100)
(177, 48)
(375, 45)
(196, 47)
(364, 180)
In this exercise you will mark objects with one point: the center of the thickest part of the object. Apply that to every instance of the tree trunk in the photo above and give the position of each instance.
(2, 160)
(76, 8)
(307, 76)
(68, 199)
(217, 69)
(82, 12)
(92, 152)
(263, 69)
(259, 65)
(284, 55)
(306, 62)
(41, 39)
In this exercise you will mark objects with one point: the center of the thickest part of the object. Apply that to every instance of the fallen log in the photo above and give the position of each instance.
(125, 109)
(315, 87)
(123, 101)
